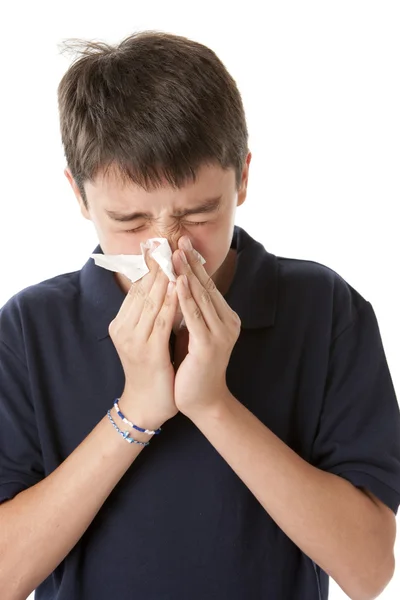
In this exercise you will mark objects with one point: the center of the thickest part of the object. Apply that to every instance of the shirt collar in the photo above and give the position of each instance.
(252, 294)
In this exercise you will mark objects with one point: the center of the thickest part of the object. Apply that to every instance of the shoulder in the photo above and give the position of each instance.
(320, 289)
(48, 299)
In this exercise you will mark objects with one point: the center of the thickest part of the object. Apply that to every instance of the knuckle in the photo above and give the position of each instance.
(205, 297)
(115, 328)
(168, 303)
(140, 292)
(236, 327)
(132, 290)
(197, 313)
(148, 304)
(160, 322)
(236, 319)
(112, 328)
(210, 286)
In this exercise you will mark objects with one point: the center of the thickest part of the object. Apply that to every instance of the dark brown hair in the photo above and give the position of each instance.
(155, 106)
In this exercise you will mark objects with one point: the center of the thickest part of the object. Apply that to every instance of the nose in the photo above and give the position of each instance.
(173, 244)
(172, 240)
(174, 247)
(172, 232)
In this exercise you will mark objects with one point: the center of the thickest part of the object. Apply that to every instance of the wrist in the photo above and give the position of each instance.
(138, 417)
(133, 433)
(214, 410)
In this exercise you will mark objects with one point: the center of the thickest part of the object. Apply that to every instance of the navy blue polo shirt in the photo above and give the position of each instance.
(180, 524)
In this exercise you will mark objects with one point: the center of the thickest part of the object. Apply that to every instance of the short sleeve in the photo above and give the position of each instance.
(358, 437)
(21, 464)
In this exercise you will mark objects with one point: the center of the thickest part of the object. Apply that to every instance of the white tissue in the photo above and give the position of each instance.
(134, 266)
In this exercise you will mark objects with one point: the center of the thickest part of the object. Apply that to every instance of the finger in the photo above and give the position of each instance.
(164, 321)
(196, 269)
(140, 288)
(145, 309)
(201, 296)
(192, 314)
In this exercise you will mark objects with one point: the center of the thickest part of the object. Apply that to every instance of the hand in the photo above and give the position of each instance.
(140, 333)
(213, 330)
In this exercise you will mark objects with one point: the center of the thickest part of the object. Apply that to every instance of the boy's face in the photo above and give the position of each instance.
(108, 199)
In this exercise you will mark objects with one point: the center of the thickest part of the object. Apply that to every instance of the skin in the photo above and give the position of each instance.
(212, 239)
(347, 531)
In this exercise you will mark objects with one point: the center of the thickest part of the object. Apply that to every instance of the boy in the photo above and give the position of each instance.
(248, 455)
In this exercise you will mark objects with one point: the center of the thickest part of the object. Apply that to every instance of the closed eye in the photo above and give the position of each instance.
(197, 223)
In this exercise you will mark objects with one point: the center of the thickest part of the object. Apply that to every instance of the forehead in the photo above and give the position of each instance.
(110, 192)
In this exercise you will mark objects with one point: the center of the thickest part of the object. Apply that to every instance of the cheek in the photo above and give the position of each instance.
(118, 245)
(214, 250)
(203, 243)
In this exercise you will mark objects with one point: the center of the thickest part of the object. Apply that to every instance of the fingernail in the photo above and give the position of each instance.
(185, 281)
(170, 288)
(187, 244)
(183, 257)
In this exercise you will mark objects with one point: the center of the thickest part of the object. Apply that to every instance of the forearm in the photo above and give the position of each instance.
(330, 520)
(42, 524)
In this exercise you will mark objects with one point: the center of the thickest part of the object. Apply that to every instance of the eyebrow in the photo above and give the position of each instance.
(207, 206)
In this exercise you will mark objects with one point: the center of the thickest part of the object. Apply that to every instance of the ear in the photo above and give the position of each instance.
(75, 188)
(242, 192)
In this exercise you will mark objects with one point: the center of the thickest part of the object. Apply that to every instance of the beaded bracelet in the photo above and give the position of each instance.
(125, 434)
(125, 420)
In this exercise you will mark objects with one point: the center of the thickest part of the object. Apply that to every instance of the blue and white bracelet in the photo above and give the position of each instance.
(125, 434)
(125, 420)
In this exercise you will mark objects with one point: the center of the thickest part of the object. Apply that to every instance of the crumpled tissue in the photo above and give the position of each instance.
(134, 266)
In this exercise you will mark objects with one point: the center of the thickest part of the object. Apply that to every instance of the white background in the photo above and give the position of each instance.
(320, 84)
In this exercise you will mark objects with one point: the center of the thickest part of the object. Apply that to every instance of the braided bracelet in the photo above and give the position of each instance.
(125, 420)
(125, 434)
